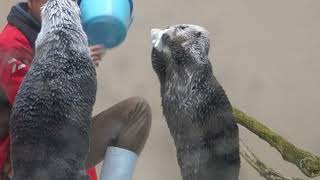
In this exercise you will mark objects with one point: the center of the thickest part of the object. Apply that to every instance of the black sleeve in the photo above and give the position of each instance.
(3, 99)
(5, 111)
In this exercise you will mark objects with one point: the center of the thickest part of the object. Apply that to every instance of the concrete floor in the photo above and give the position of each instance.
(265, 54)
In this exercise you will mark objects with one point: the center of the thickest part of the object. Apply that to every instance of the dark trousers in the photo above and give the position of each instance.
(125, 125)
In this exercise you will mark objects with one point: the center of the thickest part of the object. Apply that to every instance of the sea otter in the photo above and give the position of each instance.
(197, 110)
(50, 120)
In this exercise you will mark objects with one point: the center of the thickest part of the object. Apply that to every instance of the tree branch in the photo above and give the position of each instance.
(308, 163)
(259, 166)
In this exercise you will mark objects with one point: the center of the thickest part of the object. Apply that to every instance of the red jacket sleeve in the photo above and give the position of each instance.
(15, 55)
(11, 77)
(13, 72)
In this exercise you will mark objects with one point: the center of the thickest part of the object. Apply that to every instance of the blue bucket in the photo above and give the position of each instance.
(106, 22)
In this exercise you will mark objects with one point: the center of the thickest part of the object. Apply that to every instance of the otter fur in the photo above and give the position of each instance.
(197, 110)
(50, 120)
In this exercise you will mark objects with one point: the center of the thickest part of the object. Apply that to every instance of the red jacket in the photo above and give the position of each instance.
(16, 54)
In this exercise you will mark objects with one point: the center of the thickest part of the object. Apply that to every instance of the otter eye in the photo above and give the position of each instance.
(198, 34)
(183, 27)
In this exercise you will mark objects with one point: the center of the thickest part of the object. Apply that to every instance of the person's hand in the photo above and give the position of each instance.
(96, 53)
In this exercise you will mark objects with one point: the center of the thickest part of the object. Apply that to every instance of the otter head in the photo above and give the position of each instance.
(185, 36)
(181, 50)
(60, 15)
(60, 12)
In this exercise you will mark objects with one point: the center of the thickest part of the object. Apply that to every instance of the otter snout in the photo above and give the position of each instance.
(156, 38)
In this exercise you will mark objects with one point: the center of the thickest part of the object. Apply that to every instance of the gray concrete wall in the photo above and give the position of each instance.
(265, 54)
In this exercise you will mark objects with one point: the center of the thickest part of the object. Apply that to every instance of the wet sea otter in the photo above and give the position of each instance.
(50, 120)
(196, 108)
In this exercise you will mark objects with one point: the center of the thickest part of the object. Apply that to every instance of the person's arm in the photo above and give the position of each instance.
(12, 72)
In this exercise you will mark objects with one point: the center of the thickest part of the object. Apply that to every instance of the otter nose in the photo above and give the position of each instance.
(155, 35)
(155, 32)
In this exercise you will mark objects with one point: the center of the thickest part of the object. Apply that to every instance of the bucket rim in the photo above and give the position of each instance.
(130, 2)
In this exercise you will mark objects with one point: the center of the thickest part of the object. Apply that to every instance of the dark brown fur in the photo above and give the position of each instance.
(197, 110)
(50, 121)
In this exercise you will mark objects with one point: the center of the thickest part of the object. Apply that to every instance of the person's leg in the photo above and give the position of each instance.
(121, 129)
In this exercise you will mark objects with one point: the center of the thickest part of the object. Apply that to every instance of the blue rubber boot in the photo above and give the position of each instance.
(118, 164)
